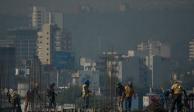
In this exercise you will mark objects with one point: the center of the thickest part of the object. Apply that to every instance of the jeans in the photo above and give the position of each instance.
(52, 103)
(86, 102)
(120, 102)
(128, 101)
(176, 100)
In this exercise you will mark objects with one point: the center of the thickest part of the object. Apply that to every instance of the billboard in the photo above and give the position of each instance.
(63, 60)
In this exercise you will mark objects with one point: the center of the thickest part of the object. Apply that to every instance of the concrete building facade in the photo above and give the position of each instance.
(154, 48)
(45, 48)
(7, 67)
(134, 70)
(153, 52)
(191, 50)
(24, 42)
(40, 16)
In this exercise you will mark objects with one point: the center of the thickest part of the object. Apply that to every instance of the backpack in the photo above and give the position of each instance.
(129, 91)
(177, 88)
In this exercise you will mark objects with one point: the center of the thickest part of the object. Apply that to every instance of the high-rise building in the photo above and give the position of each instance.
(7, 42)
(191, 50)
(40, 16)
(54, 42)
(25, 43)
(110, 63)
(162, 69)
(58, 19)
(7, 70)
(7, 67)
(134, 70)
(45, 43)
(149, 51)
(63, 41)
(154, 48)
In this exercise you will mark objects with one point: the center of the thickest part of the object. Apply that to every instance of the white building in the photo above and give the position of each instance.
(40, 16)
(87, 64)
(155, 48)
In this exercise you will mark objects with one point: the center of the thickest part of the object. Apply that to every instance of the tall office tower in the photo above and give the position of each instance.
(7, 69)
(58, 19)
(149, 50)
(7, 66)
(40, 16)
(154, 48)
(63, 41)
(191, 50)
(25, 43)
(45, 47)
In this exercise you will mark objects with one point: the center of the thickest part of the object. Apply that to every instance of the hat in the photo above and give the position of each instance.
(178, 81)
(87, 82)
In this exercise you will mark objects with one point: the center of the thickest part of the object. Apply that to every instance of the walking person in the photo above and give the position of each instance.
(15, 99)
(86, 94)
(128, 93)
(32, 98)
(177, 92)
(51, 96)
(165, 98)
(120, 94)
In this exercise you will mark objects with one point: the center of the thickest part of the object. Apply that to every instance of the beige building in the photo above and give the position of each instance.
(45, 43)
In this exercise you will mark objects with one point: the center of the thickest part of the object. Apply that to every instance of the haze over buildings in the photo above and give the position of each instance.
(105, 26)
(104, 41)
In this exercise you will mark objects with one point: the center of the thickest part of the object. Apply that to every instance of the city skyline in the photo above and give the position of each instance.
(61, 48)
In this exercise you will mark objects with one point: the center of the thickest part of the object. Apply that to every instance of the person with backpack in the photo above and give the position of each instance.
(15, 100)
(177, 91)
(120, 93)
(86, 93)
(128, 93)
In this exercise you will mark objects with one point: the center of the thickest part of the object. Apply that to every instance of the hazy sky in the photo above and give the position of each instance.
(71, 6)
(170, 21)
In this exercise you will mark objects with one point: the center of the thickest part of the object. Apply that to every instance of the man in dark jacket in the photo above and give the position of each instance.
(120, 95)
(51, 96)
